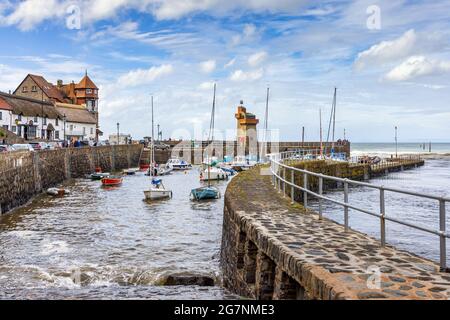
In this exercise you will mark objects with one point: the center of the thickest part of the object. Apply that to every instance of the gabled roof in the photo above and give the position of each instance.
(50, 90)
(30, 107)
(86, 83)
(76, 113)
(4, 105)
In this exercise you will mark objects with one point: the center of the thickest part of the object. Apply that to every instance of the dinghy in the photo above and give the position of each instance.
(112, 181)
(157, 191)
(57, 192)
(98, 176)
(130, 172)
(205, 193)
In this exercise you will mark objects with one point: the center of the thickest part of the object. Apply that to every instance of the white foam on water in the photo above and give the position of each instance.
(54, 247)
(22, 233)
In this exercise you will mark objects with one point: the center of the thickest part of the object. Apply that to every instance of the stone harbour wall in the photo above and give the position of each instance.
(275, 249)
(24, 174)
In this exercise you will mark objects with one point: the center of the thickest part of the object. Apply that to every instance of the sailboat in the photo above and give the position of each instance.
(157, 190)
(209, 192)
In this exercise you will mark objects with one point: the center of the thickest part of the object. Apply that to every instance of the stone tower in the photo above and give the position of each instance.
(247, 138)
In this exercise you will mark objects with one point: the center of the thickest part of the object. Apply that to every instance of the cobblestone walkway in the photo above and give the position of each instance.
(347, 260)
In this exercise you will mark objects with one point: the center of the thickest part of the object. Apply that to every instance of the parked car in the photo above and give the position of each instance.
(6, 148)
(161, 146)
(25, 146)
(53, 145)
(39, 145)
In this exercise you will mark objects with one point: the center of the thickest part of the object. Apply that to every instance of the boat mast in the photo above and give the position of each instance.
(153, 144)
(211, 134)
(332, 122)
(321, 144)
(266, 126)
(334, 117)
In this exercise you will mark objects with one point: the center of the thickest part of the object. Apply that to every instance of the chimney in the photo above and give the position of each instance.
(9, 91)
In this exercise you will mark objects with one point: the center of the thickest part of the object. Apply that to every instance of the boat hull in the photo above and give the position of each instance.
(206, 193)
(156, 194)
(111, 182)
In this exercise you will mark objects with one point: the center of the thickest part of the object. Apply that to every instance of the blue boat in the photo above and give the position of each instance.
(205, 193)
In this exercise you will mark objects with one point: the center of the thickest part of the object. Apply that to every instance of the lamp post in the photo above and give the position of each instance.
(118, 130)
(64, 138)
(396, 143)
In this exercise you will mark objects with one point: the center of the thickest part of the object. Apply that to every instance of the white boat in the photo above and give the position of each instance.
(57, 192)
(157, 191)
(179, 164)
(213, 174)
(165, 170)
(130, 172)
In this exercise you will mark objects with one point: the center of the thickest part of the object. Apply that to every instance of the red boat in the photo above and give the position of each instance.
(112, 181)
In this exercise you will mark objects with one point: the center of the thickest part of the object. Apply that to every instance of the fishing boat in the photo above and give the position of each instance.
(157, 191)
(98, 175)
(112, 181)
(178, 164)
(209, 192)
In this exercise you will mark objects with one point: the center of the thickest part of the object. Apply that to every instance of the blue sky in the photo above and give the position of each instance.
(391, 69)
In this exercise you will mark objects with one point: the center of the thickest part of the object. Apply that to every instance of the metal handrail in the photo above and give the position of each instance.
(277, 167)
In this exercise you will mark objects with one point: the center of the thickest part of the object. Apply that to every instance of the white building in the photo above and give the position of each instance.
(80, 124)
(123, 139)
(30, 119)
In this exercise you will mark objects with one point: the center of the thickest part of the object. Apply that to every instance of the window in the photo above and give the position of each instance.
(88, 91)
(13, 129)
(57, 135)
(92, 130)
(42, 134)
(44, 121)
(19, 117)
(1, 116)
(84, 131)
(25, 89)
(34, 89)
(35, 119)
(6, 127)
(31, 132)
(57, 122)
(71, 127)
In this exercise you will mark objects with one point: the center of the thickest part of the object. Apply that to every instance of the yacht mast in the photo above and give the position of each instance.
(153, 144)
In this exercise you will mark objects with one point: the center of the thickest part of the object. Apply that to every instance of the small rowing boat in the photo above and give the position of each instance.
(98, 176)
(130, 172)
(205, 193)
(57, 192)
(157, 191)
(112, 181)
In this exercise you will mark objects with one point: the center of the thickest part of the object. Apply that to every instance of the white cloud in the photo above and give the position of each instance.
(230, 63)
(387, 51)
(140, 77)
(257, 58)
(240, 75)
(208, 66)
(206, 85)
(417, 66)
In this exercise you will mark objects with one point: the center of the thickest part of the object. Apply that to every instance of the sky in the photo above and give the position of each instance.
(390, 62)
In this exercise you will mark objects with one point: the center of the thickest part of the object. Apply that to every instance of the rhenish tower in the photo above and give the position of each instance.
(247, 138)
(86, 93)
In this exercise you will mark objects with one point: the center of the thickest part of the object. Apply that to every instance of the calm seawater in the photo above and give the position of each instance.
(433, 178)
(99, 243)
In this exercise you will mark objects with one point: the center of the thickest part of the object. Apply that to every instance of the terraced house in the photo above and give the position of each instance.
(39, 110)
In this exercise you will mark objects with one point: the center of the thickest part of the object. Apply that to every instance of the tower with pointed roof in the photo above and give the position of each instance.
(86, 93)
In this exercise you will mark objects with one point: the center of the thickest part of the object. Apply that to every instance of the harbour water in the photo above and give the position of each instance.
(433, 179)
(109, 243)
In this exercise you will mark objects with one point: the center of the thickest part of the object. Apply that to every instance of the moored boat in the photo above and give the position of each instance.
(179, 164)
(205, 193)
(98, 176)
(57, 192)
(130, 172)
(213, 174)
(157, 191)
(112, 181)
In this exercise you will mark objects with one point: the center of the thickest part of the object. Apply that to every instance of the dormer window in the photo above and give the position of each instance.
(25, 89)
(33, 89)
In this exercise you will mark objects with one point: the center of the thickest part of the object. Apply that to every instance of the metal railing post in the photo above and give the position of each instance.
(305, 193)
(382, 218)
(320, 199)
(442, 239)
(346, 208)
(279, 180)
(292, 186)
(284, 182)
